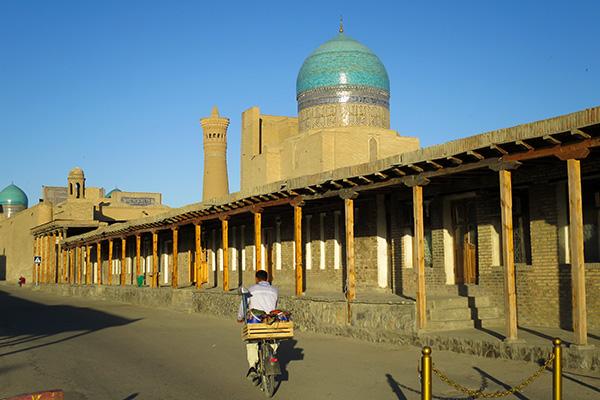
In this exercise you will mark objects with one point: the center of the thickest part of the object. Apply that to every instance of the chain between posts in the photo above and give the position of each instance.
(427, 368)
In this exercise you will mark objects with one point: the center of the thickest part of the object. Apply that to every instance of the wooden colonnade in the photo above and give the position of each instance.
(502, 165)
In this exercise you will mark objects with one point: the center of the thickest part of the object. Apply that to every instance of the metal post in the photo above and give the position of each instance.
(426, 374)
(557, 370)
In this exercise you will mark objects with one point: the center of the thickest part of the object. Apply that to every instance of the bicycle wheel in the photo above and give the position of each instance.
(267, 379)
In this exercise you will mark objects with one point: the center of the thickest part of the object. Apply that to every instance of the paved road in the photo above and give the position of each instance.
(102, 350)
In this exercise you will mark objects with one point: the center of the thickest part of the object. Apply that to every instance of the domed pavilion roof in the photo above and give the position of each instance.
(342, 61)
(76, 173)
(13, 195)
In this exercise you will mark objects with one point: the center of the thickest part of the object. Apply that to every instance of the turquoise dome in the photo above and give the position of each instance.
(109, 194)
(342, 61)
(13, 195)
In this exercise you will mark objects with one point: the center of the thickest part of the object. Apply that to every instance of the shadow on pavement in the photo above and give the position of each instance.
(26, 325)
(397, 389)
(287, 352)
(499, 382)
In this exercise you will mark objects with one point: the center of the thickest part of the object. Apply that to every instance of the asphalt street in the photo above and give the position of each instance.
(103, 350)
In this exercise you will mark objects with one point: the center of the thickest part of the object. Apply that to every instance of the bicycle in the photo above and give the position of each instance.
(268, 367)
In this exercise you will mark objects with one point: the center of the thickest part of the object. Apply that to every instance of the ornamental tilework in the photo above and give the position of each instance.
(342, 61)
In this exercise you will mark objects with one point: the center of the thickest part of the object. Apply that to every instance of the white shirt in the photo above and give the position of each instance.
(262, 296)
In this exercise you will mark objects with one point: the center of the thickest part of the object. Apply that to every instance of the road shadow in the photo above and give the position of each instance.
(287, 352)
(397, 389)
(26, 325)
(395, 386)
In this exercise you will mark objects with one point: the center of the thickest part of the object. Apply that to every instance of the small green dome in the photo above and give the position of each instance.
(13, 195)
(342, 61)
(109, 194)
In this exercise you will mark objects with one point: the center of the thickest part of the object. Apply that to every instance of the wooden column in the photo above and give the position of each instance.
(508, 256)
(79, 264)
(59, 267)
(577, 254)
(52, 263)
(155, 259)
(48, 263)
(175, 269)
(123, 259)
(65, 261)
(351, 268)
(65, 266)
(110, 256)
(89, 268)
(99, 261)
(419, 255)
(138, 256)
(258, 238)
(225, 246)
(198, 254)
(298, 248)
(33, 269)
(72, 252)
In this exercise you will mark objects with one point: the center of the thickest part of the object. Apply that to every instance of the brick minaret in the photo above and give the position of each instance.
(216, 183)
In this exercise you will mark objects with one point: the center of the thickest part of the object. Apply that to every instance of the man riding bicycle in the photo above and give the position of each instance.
(263, 297)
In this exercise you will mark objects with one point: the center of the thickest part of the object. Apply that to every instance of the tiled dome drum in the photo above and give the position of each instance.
(341, 84)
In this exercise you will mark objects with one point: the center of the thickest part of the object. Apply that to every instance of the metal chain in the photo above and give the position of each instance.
(478, 393)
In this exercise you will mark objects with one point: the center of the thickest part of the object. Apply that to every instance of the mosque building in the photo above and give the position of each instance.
(487, 230)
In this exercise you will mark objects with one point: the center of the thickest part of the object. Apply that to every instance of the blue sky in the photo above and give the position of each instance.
(118, 87)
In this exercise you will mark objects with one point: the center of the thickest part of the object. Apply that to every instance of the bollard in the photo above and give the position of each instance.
(557, 370)
(426, 374)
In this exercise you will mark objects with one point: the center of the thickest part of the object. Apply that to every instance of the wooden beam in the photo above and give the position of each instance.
(175, 269)
(138, 256)
(350, 267)
(258, 239)
(99, 261)
(498, 149)
(475, 154)
(524, 144)
(298, 249)
(578, 150)
(155, 259)
(380, 175)
(110, 256)
(88, 265)
(580, 133)
(577, 253)
(508, 255)
(225, 246)
(398, 171)
(415, 168)
(123, 259)
(551, 139)
(435, 164)
(419, 255)
(454, 160)
(198, 255)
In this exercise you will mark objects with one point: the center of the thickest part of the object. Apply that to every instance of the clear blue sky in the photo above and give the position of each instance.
(118, 87)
